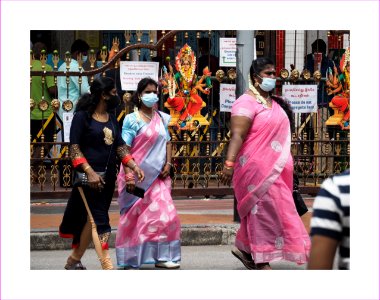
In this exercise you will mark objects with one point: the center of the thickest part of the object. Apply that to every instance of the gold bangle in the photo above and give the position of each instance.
(86, 168)
(170, 164)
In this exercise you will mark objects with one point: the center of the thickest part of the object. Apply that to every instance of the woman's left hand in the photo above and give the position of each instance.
(226, 176)
(139, 173)
(165, 171)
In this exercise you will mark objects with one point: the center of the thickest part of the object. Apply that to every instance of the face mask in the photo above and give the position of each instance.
(149, 99)
(113, 102)
(268, 84)
(99, 64)
(84, 58)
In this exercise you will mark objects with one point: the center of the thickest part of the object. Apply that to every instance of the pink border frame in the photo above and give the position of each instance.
(170, 0)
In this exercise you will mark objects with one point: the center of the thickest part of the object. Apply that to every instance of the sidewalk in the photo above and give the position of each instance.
(203, 222)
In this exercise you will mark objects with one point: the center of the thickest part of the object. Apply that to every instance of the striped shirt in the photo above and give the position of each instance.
(331, 214)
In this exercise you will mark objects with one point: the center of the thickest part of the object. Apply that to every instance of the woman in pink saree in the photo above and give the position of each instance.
(260, 161)
(149, 227)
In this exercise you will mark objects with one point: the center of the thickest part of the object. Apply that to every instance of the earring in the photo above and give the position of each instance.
(256, 84)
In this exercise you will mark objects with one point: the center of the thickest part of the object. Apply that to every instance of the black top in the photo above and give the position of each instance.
(90, 136)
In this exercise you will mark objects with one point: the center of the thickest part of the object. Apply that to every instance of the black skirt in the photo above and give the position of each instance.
(75, 215)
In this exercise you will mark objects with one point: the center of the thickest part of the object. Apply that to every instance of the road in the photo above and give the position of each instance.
(193, 258)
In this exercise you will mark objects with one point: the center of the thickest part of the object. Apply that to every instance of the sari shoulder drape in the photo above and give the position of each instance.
(263, 155)
(149, 152)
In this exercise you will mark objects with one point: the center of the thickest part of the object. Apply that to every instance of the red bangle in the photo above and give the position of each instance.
(230, 164)
(78, 161)
(126, 159)
(129, 177)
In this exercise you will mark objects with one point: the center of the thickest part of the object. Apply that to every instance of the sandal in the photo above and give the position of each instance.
(263, 266)
(73, 264)
(245, 258)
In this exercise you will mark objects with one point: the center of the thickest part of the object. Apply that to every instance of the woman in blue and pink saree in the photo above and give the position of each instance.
(149, 227)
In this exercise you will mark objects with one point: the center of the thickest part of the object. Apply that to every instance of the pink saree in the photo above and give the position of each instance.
(263, 182)
(149, 227)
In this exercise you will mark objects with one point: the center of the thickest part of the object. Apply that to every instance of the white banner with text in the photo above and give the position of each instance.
(302, 98)
(131, 72)
(227, 96)
(227, 52)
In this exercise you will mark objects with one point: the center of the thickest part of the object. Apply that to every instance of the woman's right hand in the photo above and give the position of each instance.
(130, 185)
(226, 175)
(95, 181)
(139, 173)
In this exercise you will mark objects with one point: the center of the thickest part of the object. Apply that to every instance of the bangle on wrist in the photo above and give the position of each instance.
(86, 168)
(126, 159)
(229, 163)
(170, 164)
(129, 177)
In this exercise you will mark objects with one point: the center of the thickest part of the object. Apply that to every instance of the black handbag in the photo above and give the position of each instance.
(297, 197)
(80, 178)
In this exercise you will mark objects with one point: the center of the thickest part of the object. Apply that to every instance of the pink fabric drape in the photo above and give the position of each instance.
(263, 182)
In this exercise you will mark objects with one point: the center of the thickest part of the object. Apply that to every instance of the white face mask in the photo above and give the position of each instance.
(267, 84)
(149, 99)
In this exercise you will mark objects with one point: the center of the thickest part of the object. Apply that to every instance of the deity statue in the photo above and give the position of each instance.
(339, 86)
(184, 102)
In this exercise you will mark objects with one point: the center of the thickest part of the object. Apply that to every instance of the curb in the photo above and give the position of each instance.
(191, 235)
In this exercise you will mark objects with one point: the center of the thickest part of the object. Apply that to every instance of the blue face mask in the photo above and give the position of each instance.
(84, 58)
(149, 99)
(99, 64)
(268, 84)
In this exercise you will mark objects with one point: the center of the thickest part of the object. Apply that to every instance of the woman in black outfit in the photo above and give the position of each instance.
(95, 141)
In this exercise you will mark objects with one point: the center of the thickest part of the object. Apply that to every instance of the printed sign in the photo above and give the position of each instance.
(302, 98)
(131, 72)
(227, 57)
(227, 96)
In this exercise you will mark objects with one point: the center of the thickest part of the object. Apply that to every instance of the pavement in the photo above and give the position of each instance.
(204, 221)
(214, 257)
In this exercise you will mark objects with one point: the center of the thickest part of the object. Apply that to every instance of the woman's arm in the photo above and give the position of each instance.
(239, 129)
(166, 169)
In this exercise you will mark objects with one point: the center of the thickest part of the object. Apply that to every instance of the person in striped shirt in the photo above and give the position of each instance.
(330, 224)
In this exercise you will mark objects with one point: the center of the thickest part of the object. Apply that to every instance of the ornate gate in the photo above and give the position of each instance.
(198, 150)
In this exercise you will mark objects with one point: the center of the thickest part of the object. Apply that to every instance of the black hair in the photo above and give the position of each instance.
(37, 49)
(319, 45)
(89, 101)
(256, 67)
(204, 45)
(80, 46)
(143, 83)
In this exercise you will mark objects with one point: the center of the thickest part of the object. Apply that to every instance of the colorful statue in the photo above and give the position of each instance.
(339, 85)
(183, 88)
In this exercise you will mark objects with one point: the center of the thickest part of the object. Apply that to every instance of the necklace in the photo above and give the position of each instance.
(99, 117)
(149, 117)
(259, 98)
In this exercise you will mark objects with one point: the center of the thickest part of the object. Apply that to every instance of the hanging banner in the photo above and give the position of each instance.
(227, 96)
(131, 72)
(227, 53)
(302, 98)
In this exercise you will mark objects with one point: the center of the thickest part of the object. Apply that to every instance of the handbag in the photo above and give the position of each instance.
(80, 178)
(297, 197)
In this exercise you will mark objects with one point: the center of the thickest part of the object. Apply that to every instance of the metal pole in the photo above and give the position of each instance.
(244, 55)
